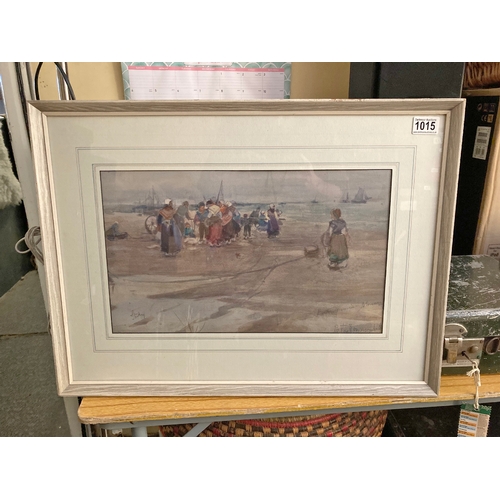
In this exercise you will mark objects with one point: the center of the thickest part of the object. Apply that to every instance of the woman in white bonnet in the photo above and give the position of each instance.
(169, 225)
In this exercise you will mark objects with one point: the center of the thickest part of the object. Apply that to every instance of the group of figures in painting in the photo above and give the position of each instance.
(213, 223)
(220, 223)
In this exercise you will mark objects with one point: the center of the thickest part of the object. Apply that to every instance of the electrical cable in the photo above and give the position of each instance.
(31, 239)
(63, 74)
(37, 72)
(66, 79)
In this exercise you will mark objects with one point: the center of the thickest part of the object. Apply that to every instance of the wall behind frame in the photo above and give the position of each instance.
(102, 81)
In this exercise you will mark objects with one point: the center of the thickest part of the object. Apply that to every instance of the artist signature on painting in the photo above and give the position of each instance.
(137, 315)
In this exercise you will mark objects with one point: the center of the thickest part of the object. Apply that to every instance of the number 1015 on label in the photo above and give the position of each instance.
(425, 125)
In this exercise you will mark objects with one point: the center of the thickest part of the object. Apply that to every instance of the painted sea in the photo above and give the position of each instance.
(359, 216)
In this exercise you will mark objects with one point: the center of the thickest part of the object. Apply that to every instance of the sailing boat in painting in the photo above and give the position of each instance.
(150, 204)
(346, 198)
(220, 194)
(360, 197)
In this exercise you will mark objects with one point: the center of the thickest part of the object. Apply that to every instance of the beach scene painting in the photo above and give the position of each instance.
(246, 251)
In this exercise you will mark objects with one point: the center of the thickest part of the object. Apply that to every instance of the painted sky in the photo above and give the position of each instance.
(243, 186)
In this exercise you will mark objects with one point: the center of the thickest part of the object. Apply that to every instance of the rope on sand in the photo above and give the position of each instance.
(221, 278)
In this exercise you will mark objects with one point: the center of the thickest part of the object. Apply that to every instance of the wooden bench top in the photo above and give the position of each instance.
(105, 409)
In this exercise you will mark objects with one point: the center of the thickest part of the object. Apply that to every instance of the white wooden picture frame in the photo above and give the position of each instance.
(302, 304)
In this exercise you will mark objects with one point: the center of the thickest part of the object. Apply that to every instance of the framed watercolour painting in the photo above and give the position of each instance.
(247, 248)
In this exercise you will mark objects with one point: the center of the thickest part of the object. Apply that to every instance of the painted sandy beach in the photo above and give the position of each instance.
(259, 284)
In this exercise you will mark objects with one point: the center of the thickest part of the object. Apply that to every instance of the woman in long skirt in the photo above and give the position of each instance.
(168, 225)
(337, 236)
(214, 223)
(228, 233)
(273, 227)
